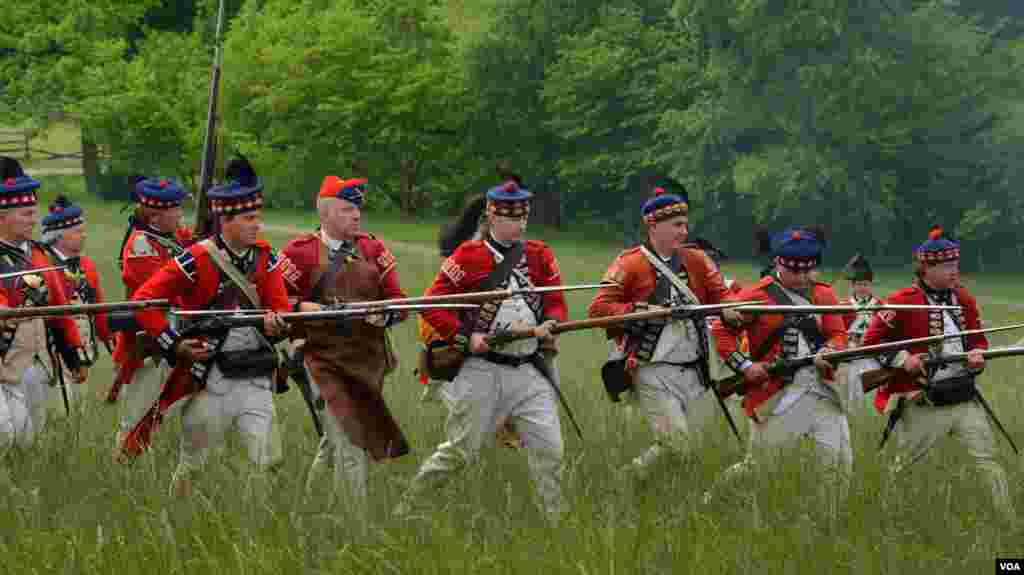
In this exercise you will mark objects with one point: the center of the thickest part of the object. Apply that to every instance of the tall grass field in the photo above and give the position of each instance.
(67, 508)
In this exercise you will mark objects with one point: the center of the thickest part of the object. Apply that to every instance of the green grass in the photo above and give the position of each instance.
(70, 510)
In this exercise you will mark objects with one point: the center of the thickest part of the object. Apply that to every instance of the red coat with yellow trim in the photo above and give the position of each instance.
(194, 278)
(303, 258)
(636, 279)
(909, 324)
(472, 262)
(56, 295)
(759, 328)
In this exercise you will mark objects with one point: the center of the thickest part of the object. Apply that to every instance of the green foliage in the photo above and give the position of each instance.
(45, 46)
(304, 95)
(876, 117)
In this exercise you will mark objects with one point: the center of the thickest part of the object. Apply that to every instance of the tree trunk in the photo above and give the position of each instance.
(90, 165)
(408, 202)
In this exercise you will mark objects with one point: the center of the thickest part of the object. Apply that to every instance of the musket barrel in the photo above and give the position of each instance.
(20, 273)
(828, 309)
(471, 297)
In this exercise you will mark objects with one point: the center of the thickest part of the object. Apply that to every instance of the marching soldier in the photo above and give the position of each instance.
(153, 238)
(950, 404)
(858, 272)
(495, 384)
(232, 371)
(665, 362)
(64, 238)
(337, 264)
(23, 344)
(785, 409)
(472, 224)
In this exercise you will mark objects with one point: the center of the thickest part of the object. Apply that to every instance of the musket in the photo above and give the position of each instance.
(734, 384)
(875, 378)
(17, 274)
(204, 226)
(329, 312)
(503, 336)
(472, 297)
(830, 309)
(81, 309)
(215, 321)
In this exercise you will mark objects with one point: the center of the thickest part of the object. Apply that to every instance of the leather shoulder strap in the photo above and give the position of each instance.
(503, 269)
(663, 269)
(234, 274)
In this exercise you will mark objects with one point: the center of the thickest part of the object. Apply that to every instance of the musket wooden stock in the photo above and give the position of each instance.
(81, 309)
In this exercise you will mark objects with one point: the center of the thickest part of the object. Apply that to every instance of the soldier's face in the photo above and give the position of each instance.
(508, 229)
(795, 279)
(861, 288)
(17, 224)
(166, 220)
(347, 218)
(72, 241)
(672, 232)
(945, 275)
(243, 229)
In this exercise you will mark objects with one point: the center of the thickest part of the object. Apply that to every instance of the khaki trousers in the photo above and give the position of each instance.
(483, 394)
(675, 405)
(921, 427)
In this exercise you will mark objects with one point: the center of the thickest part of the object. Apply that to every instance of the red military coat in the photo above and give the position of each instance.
(761, 327)
(141, 258)
(56, 295)
(307, 255)
(470, 265)
(193, 279)
(910, 324)
(636, 279)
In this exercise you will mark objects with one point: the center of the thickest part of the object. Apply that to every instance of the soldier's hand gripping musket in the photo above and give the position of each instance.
(786, 366)
(876, 378)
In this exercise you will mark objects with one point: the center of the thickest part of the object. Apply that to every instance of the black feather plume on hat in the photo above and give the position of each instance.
(859, 269)
(762, 241)
(240, 170)
(464, 228)
(10, 168)
(59, 203)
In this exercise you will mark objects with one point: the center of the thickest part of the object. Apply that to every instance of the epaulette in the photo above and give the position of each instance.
(187, 264)
(367, 235)
(822, 284)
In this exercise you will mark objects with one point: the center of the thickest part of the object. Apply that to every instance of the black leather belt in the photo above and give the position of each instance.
(509, 360)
